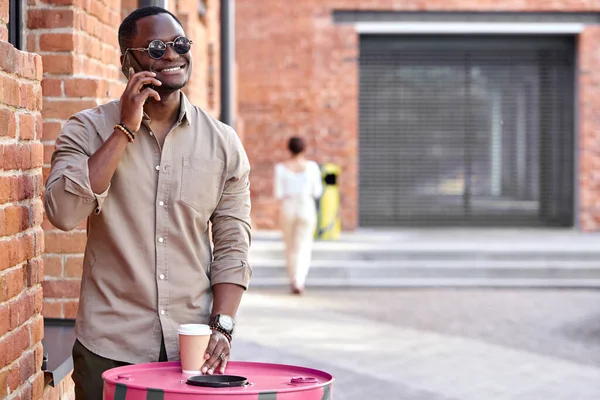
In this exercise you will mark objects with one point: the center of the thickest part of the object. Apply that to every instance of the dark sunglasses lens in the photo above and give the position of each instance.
(157, 49)
(182, 45)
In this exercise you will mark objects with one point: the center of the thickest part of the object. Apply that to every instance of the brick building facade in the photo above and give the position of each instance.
(76, 43)
(302, 77)
(21, 213)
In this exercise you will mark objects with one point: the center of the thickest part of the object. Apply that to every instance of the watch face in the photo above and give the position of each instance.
(226, 322)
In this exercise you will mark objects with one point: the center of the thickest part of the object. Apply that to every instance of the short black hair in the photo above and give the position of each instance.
(128, 28)
(296, 145)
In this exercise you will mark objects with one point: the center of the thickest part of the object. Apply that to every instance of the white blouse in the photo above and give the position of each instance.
(306, 183)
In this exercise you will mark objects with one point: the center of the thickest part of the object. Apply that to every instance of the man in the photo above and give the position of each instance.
(149, 172)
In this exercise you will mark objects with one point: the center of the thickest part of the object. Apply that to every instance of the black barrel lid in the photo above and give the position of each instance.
(217, 381)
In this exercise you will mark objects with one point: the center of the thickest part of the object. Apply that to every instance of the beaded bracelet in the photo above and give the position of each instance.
(225, 333)
(126, 131)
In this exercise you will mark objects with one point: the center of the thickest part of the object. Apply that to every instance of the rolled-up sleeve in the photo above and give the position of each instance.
(69, 198)
(231, 226)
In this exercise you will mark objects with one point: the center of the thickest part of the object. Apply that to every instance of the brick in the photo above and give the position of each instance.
(51, 130)
(18, 341)
(62, 289)
(40, 242)
(39, 126)
(49, 18)
(32, 42)
(8, 125)
(39, 68)
(48, 150)
(21, 310)
(34, 270)
(36, 329)
(84, 88)
(53, 265)
(38, 297)
(13, 378)
(59, 63)
(9, 252)
(71, 308)
(7, 57)
(4, 380)
(37, 211)
(38, 355)
(15, 220)
(26, 127)
(74, 266)
(12, 282)
(38, 185)
(27, 250)
(52, 87)
(4, 11)
(64, 109)
(45, 173)
(37, 154)
(52, 309)
(38, 384)
(57, 42)
(5, 189)
(27, 97)
(16, 156)
(11, 94)
(22, 187)
(26, 366)
(28, 69)
(4, 319)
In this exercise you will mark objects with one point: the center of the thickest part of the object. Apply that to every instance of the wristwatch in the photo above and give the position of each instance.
(223, 323)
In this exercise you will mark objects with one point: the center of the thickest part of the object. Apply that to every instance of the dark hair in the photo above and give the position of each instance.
(296, 145)
(128, 28)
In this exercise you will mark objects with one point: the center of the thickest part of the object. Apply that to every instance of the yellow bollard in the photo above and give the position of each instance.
(329, 224)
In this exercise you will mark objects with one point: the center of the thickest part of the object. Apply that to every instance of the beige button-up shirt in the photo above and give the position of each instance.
(148, 264)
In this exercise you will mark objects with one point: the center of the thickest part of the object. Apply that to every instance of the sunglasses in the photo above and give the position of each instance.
(157, 48)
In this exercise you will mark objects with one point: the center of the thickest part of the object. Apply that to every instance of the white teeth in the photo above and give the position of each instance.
(171, 69)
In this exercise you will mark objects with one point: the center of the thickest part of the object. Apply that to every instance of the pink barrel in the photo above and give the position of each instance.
(165, 381)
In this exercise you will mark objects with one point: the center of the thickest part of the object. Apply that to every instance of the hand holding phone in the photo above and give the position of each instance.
(135, 95)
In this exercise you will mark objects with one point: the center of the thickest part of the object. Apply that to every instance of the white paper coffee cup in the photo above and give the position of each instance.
(193, 341)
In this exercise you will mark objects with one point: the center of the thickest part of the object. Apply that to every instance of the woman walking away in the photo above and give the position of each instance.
(297, 185)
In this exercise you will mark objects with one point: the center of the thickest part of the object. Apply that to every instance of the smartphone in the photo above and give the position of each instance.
(130, 61)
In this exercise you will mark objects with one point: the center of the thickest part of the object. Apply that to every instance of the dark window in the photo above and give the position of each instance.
(15, 24)
(466, 130)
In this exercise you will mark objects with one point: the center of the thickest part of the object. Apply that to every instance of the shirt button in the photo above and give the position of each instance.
(161, 203)
(162, 312)
(161, 240)
(157, 168)
(162, 276)
(151, 134)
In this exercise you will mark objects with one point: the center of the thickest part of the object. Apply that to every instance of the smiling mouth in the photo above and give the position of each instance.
(173, 69)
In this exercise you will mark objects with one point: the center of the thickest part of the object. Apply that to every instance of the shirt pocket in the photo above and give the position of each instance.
(201, 183)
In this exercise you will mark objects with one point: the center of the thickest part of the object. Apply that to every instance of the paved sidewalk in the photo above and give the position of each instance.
(432, 344)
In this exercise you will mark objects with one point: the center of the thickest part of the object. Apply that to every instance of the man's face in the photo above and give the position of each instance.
(165, 28)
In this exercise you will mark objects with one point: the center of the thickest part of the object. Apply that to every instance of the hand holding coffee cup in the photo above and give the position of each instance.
(217, 354)
(193, 343)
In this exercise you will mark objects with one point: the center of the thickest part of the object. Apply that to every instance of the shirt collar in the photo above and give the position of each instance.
(185, 110)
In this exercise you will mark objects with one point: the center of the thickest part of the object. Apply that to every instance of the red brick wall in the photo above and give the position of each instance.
(301, 78)
(77, 40)
(21, 211)
(203, 88)
(589, 129)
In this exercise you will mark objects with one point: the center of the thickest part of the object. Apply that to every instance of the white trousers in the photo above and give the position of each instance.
(298, 223)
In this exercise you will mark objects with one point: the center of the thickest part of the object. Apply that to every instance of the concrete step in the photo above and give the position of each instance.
(467, 258)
